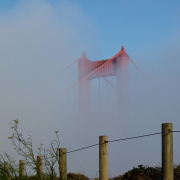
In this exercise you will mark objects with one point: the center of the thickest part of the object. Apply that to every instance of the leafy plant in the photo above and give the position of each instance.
(8, 168)
(24, 148)
(143, 172)
(176, 172)
(76, 176)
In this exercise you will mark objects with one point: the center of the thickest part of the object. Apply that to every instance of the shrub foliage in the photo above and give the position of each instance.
(147, 173)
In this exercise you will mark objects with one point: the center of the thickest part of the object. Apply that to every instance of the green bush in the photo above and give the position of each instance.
(24, 148)
(143, 172)
(177, 172)
(76, 176)
(147, 173)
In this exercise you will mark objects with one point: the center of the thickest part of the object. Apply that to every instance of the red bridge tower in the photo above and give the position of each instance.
(116, 66)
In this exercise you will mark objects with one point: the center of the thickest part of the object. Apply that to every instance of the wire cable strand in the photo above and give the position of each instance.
(82, 148)
(174, 131)
(135, 137)
(113, 141)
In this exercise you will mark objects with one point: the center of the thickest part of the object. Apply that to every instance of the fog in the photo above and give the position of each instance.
(36, 42)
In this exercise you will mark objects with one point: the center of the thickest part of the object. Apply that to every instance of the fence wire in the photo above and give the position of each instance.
(124, 139)
(135, 137)
(82, 148)
(174, 131)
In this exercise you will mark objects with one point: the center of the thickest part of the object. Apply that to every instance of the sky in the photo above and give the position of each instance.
(39, 38)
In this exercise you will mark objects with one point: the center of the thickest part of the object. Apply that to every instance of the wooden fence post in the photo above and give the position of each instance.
(167, 151)
(40, 166)
(62, 164)
(21, 168)
(103, 158)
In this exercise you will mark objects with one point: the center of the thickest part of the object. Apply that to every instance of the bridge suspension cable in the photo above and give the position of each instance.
(64, 69)
(110, 83)
(144, 76)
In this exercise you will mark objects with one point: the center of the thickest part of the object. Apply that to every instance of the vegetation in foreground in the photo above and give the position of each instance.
(147, 173)
(24, 148)
(10, 170)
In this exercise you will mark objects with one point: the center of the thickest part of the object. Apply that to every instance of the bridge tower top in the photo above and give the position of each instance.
(117, 66)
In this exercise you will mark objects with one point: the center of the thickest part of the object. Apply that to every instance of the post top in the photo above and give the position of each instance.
(123, 48)
(84, 54)
(166, 123)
